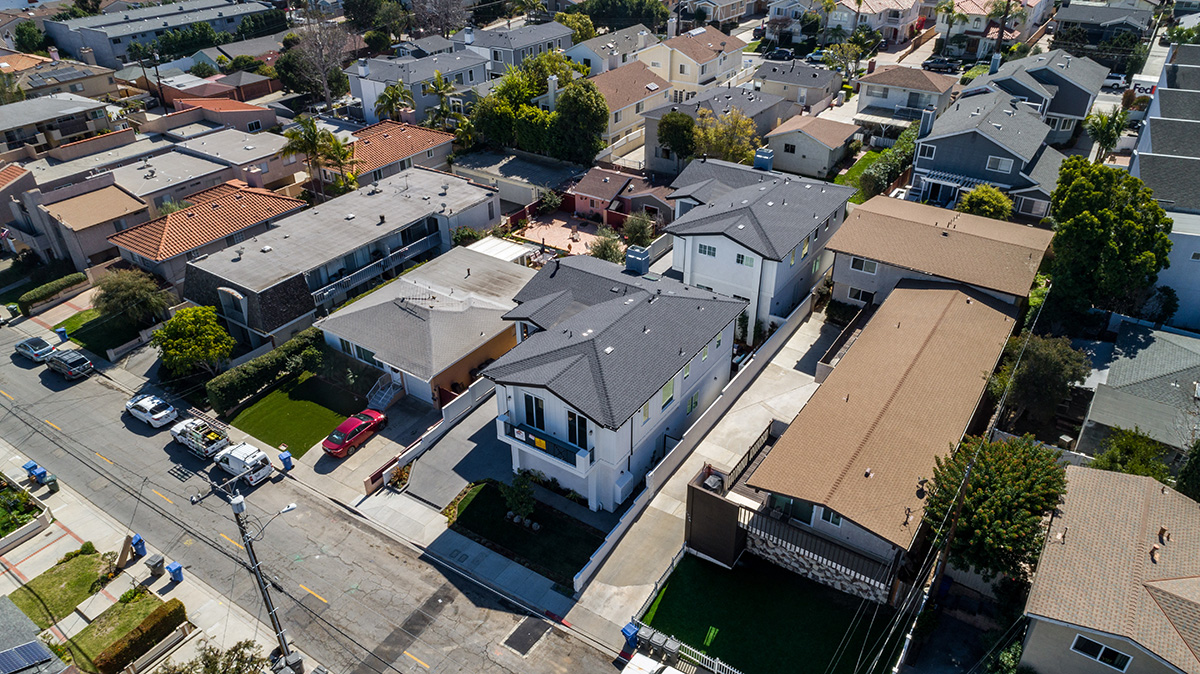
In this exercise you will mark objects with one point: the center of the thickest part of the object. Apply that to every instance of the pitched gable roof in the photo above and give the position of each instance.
(987, 253)
(827, 132)
(910, 78)
(214, 214)
(601, 183)
(11, 173)
(1096, 571)
(997, 117)
(389, 141)
(902, 395)
(705, 44)
(708, 179)
(624, 86)
(611, 339)
(624, 41)
(797, 73)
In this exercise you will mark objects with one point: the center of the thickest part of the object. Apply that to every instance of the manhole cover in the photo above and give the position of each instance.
(528, 632)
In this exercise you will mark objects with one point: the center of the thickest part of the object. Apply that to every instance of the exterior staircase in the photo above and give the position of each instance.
(384, 394)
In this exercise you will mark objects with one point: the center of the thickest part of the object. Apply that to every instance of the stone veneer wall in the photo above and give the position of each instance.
(781, 554)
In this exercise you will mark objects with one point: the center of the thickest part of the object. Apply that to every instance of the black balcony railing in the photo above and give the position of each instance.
(540, 441)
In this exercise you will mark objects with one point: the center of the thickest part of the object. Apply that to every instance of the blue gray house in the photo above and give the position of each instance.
(990, 137)
(1060, 87)
(505, 47)
(369, 77)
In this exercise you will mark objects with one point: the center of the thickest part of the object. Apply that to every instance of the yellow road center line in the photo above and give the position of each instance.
(313, 594)
(160, 495)
(7, 396)
(103, 457)
(232, 541)
(52, 425)
(417, 659)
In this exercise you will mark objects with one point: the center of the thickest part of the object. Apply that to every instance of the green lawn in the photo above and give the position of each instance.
(111, 625)
(96, 333)
(760, 617)
(299, 413)
(53, 595)
(850, 177)
(16, 509)
(558, 551)
(753, 46)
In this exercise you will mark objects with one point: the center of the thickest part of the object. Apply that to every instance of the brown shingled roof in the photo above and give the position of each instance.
(910, 78)
(902, 395)
(1100, 576)
(390, 141)
(214, 214)
(601, 183)
(92, 208)
(827, 132)
(624, 86)
(706, 46)
(987, 253)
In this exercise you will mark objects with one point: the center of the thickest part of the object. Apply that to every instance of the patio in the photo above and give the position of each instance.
(562, 231)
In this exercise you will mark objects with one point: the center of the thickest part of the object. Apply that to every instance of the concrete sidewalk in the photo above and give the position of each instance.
(75, 521)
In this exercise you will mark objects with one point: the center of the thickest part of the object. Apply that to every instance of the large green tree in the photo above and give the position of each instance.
(362, 13)
(495, 119)
(193, 339)
(29, 38)
(581, 118)
(987, 201)
(1012, 485)
(731, 137)
(1049, 367)
(129, 294)
(244, 657)
(1112, 238)
(618, 14)
(677, 133)
(607, 246)
(394, 98)
(1132, 452)
(581, 24)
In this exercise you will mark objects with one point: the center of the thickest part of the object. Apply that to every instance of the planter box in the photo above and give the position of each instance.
(29, 529)
(163, 649)
(63, 295)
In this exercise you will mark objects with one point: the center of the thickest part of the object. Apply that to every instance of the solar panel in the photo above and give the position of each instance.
(23, 657)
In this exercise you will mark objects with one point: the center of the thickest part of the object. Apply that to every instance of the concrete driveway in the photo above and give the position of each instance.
(343, 479)
(466, 453)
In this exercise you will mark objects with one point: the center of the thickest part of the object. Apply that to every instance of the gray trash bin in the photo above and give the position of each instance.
(156, 564)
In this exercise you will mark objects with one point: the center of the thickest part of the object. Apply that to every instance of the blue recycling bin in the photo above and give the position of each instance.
(39, 474)
(630, 633)
(62, 334)
(139, 545)
(175, 569)
(29, 467)
(286, 459)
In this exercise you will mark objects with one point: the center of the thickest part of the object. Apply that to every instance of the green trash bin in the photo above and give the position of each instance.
(52, 483)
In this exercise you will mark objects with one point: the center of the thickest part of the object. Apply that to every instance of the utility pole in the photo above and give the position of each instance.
(288, 657)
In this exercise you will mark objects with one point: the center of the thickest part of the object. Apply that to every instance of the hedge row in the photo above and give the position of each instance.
(49, 290)
(233, 386)
(156, 627)
(890, 164)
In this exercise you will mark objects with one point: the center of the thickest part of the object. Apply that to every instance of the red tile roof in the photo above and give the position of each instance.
(216, 104)
(10, 173)
(390, 141)
(214, 214)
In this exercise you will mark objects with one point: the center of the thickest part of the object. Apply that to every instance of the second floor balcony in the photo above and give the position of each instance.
(350, 280)
(577, 457)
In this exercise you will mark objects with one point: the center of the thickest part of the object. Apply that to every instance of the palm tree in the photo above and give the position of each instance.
(827, 7)
(393, 99)
(953, 17)
(1003, 10)
(1106, 129)
(339, 157)
(525, 7)
(837, 35)
(857, 11)
(309, 140)
(442, 88)
(464, 131)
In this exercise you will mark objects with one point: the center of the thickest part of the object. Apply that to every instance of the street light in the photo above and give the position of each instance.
(290, 658)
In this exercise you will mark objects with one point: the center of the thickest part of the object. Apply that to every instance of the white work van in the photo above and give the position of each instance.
(200, 437)
(245, 460)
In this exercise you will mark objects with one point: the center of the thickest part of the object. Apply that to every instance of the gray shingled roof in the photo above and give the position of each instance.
(411, 70)
(1173, 180)
(16, 629)
(796, 73)
(611, 339)
(1180, 137)
(720, 101)
(1182, 77)
(624, 41)
(242, 77)
(1178, 103)
(516, 38)
(1103, 15)
(1043, 172)
(993, 114)
(770, 218)
(430, 318)
(1079, 69)
(706, 179)
(1017, 71)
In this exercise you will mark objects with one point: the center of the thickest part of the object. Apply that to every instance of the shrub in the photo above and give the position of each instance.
(854, 148)
(465, 236)
(550, 202)
(840, 313)
(971, 74)
(233, 386)
(44, 292)
(87, 548)
(132, 594)
(156, 627)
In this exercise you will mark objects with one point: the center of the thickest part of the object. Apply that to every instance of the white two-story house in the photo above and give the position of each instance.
(763, 241)
(699, 60)
(611, 370)
(896, 95)
(630, 91)
(896, 20)
(611, 50)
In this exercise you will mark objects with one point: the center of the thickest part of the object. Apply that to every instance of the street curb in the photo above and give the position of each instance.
(555, 620)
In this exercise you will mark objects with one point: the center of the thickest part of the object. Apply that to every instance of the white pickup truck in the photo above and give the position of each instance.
(200, 437)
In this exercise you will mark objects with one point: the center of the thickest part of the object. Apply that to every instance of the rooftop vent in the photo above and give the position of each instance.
(349, 216)
(608, 349)
(267, 249)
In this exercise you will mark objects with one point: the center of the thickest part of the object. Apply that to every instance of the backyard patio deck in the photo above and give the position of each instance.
(555, 230)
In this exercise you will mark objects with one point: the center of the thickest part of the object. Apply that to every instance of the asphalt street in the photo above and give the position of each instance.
(352, 597)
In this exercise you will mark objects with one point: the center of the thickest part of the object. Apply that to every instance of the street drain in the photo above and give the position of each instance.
(528, 632)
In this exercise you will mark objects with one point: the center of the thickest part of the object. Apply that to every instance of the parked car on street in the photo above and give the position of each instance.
(35, 349)
(1115, 80)
(780, 55)
(940, 65)
(152, 410)
(353, 432)
(816, 56)
(245, 460)
(201, 437)
(70, 363)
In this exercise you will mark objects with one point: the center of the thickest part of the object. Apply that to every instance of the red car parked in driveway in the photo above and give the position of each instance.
(353, 432)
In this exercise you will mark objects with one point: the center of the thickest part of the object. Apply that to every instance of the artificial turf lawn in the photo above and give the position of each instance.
(98, 333)
(114, 623)
(52, 596)
(762, 618)
(299, 413)
(558, 551)
(850, 177)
